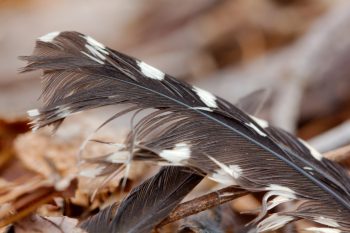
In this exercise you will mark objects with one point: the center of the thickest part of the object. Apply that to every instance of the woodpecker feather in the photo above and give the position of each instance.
(191, 127)
(146, 205)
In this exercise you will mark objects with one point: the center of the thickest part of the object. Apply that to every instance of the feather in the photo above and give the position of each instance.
(191, 127)
(146, 205)
(100, 222)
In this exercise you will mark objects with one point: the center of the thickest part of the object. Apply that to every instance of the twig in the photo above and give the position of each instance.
(202, 203)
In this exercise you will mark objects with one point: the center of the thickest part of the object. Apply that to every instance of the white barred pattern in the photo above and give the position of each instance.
(222, 177)
(150, 71)
(207, 98)
(95, 52)
(317, 155)
(261, 122)
(256, 129)
(94, 42)
(178, 154)
(234, 171)
(276, 187)
(49, 37)
(204, 109)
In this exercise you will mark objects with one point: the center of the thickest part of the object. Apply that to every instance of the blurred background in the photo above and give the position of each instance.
(299, 50)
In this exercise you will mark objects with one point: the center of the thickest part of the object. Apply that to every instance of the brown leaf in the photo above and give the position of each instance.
(38, 224)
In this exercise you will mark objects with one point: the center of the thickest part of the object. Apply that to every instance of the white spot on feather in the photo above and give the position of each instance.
(259, 121)
(206, 97)
(92, 172)
(273, 222)
(49, 37)
(276, 187)
(234, 171)
(96, 48)
(222, 177)
(281, 197)
(317, 155)
(150, 71)
(278, 200)
(326, 221)
(95, 52)
(323, 230)
(33, 112)
(204, 109)
(94, 42)
(178, 154)
(256, 129)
